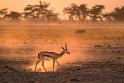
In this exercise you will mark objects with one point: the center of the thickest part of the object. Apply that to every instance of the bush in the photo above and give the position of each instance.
(80, 31)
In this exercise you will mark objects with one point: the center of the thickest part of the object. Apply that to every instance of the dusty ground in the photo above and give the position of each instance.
(97, 53)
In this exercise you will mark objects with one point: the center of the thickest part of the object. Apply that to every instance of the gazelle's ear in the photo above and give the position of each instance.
(63, 48)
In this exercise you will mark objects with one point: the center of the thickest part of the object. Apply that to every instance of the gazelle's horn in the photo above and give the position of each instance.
(66, 46)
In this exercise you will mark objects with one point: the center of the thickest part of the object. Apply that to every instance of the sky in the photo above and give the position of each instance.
(58, 5)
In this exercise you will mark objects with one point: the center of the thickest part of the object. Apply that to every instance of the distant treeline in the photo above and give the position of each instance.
(40, 12)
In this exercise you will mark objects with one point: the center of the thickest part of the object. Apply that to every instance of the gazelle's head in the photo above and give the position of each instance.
(66, 49)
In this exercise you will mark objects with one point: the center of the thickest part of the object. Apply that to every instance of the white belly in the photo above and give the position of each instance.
(47, 58)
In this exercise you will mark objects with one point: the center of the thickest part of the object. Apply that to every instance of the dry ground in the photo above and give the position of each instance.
(97, 53)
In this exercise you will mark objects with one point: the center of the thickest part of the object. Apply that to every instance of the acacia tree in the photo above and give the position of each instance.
(13, 16)
(96, 12)
(50, 15)
(39, 12)
(118, 13)
(71, 11)
(75, 11)
(2, 13)
(78, 12)
(83, 11)
(108, 16)
(30, 12)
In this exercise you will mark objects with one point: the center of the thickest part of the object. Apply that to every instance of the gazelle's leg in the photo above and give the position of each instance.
(53, 64)
(57, 62)
(43, 65)
(37, 64)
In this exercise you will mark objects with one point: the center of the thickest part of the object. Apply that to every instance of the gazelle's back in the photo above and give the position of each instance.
(47, 54)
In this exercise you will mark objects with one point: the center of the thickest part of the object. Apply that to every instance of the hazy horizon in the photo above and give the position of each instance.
(57, 6)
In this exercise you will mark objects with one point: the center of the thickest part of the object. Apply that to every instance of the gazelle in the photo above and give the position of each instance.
(45, 55)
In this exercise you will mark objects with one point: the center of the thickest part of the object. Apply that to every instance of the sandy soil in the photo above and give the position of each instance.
(97, 53)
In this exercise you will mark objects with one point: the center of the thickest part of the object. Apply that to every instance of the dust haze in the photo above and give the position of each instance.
(22, 43)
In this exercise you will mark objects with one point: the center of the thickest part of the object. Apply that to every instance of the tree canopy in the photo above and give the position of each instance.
(81, 12)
